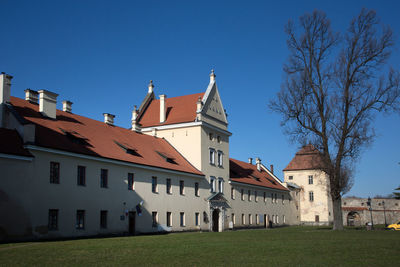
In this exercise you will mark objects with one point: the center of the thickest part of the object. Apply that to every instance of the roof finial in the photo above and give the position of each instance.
(151, 87)
(212, 76)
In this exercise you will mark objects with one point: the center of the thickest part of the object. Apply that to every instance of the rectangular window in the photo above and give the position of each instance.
(219, 158)
(250, 219)
(249, 195)
(272, 198)
(255, 196)
(283, 199)
(290, 177)
(154, 218)
(310, 179)
(257, 219)
(284, 219)
(181, 187)
(243, 219)
(182, 219)
(53, 220)
(154, 188)
(196, 189)
(233, 219)
(232, 193)
(242, 194)
(311, 195)
(276, 198)
(169, 219)
(220, 185)
(81, 179)
(265, 197)
(197, 219)
(212, 156)
(131, 181)
(212, 184)
(80, 219)
(168, 186)
(103, 219)
(54, 172)
(104, 178)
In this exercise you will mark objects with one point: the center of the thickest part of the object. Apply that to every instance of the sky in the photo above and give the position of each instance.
(101, 55)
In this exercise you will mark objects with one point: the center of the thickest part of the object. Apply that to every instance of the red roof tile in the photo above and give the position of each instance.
(307, 158)
(247, 173)
(74, 133)
(11, 143)
(178, 110)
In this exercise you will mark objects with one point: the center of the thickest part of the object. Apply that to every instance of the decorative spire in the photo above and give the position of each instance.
(212, 76)
(151, 87)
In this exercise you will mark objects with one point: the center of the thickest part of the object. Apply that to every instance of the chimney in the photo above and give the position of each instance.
(109, 119)
(271, 167)
(212, 76)
(48, 103)
(135, 125)
(151, 87)
(199, 105)
(162, 108)
(258, 163)
(251, 160)
(5, 87)
(67, 106)
(31, 96)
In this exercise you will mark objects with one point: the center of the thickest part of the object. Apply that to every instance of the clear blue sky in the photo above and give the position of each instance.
(102, 54)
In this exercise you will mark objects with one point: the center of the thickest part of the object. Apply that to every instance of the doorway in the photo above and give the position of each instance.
(215, 220)
(132, 222)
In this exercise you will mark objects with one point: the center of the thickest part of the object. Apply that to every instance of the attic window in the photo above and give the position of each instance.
(255, 178)
(272, 181)
(167, 157)
(127, 149)
(75, 137)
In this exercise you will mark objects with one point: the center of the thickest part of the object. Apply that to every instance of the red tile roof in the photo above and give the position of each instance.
(11, 143)
(307, 158)
(243, 172)
(74, 133)
(178, 110)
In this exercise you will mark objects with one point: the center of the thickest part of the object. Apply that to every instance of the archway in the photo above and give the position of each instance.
(353, 219)
(215, 220)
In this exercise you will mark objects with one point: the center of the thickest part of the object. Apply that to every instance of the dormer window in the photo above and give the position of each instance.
(168, 158)
(127, 149)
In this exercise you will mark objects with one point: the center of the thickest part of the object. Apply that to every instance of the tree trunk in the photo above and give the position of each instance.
(337, 213)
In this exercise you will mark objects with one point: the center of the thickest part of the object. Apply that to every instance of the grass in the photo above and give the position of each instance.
(291, 246)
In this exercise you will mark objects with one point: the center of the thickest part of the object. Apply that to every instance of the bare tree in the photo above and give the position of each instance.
(334, 85)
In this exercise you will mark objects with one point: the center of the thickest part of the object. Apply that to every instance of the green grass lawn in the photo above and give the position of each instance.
(290, 246)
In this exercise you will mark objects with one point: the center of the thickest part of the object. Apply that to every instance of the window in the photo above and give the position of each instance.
(168, 186)
(103, 219)
(80, 219)
(81, 180)
(272, 198)
(104, 178)
(276, 198)
(219, 139)
(242, 194)
(210, 136)
(233, 219)
(169, 219)
(257, 219)
(265, 197)
(220, 185)
(277, 218)
(283, 199)
(255, 196)
(243, 219)
(154, 188)
(197, 219)
(181, 187)
(232, 193)
(131, 181)
(290, 177)
(53, 220)
(311, 195)
(154, 218)
(250, 219)
(196, 189)
(249, 195)
(310, 179)
(54, 172)
(212, 156)
(316, 218)
(212, 184)
(284, 219)
(182, 219)
(219, 158)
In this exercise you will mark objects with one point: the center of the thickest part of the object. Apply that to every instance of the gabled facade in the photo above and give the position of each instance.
(67, 175)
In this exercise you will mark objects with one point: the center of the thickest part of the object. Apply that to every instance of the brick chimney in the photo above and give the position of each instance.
(67, 106)
(31, 96)
(109, 118)
(48, 103)
(271, 167)
(162, 108)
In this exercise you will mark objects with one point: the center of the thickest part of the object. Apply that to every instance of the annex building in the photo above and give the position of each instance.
(66, 175)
